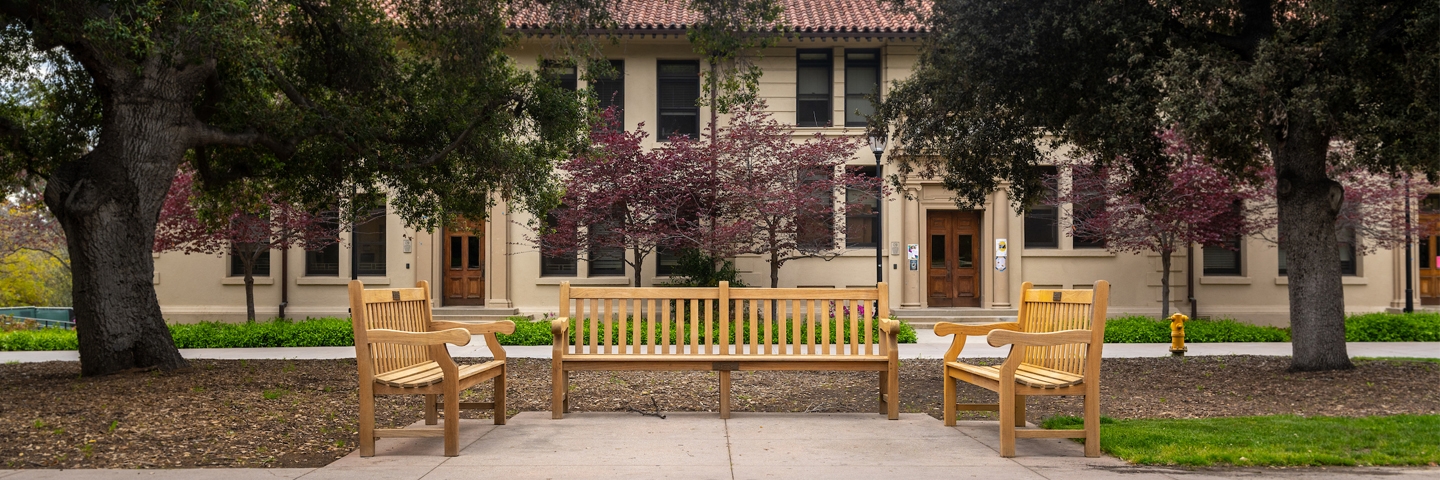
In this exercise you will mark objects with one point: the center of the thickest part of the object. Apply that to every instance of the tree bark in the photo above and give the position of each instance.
(1308, 201)
(108, 202)
(1164, 284)
(639, 262)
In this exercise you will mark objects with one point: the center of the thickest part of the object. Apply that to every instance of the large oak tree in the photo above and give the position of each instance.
(104, 99)
(1305, 84)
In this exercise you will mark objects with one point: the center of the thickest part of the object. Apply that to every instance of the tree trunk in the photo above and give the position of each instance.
(108, 201)
(1165, 283)
(774, 268)
(639, 262)
(250, 255)
(1308, 203)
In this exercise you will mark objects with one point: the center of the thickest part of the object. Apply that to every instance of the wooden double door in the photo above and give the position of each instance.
(465, 264)
(952, 258)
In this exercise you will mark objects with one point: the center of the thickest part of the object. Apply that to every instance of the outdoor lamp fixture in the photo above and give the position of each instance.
(877, 146)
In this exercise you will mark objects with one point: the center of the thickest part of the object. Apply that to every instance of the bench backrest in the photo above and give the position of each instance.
(1044, 310)
(724, 320)
(404, 309)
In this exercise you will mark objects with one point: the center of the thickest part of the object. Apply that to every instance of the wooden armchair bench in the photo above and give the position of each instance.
(1055, 350)
(691, 329)
(399, 350)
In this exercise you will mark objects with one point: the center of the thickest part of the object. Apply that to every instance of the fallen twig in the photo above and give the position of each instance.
(653, 403)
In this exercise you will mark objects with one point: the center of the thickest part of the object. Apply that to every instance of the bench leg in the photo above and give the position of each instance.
(452, 420)
(500, 398)
(884, 380)
(1092, 422)
(430, 408)
(950, 399)
(558, 385)
(367, 421)
(893, 393)
(1007, 419)
(1019, 410)
(725, 394)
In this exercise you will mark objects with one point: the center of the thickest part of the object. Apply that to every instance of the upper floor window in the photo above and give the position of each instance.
(562, 74)
(370, 245)
(1042, 221)
(813, 83)
(862, 78)
(678, 89)
(862, 215)
(610, 90)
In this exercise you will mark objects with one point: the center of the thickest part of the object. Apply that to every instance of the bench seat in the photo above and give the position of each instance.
(1028, 375)
(429, 373)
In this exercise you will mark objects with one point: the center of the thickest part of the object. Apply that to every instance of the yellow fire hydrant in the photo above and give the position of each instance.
(1177, 335)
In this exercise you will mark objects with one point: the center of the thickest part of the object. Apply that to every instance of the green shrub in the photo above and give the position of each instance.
(1393, 327)
(1142, 329)
(527, 332)
(317, 332)
(44, 339)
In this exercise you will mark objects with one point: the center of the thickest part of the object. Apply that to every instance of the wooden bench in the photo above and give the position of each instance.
(400, 351)
(689, 329)
(1055, 350)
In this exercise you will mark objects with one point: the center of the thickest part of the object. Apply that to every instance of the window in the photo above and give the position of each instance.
(815, 227)
(562, 74)
(813, 69)
(1042, 226)
(667, 260)
(862, 78)
(239, 251)
(1346, 243)
(611, 91)
(862, 214)
(605, 261)
(1426, 261)
(678, 88)
(1222, 259)
(324, 262)
(564, 264)
(1430, 204)
(1094, 204)
(370, 245)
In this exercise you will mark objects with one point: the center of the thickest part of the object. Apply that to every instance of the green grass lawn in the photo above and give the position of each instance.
(1283, 440)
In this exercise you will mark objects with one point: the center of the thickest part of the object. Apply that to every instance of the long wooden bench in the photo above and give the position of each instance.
(725, 329)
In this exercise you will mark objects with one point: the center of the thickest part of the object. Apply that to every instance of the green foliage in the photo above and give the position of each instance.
(1142, 329)
(527, 332)
(33, 278)
(1391, 327)
(1283, 440)
(697, 269)
(321, 332)
(726, 32)
(38, 340)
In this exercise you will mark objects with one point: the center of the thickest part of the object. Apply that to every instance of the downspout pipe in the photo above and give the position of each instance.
(284, 281)
(1190, 279)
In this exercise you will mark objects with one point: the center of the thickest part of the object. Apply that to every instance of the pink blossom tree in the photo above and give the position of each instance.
(246, 229)
(1196, 203)
(786, 190)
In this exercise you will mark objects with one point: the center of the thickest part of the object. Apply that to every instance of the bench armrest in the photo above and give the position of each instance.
(454, 336)
(889, 326)
(962, 330)
(1004, 337)
(478, 328)
(559, 336)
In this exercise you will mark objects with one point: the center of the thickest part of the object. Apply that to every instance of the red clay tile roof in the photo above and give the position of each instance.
(806, 17)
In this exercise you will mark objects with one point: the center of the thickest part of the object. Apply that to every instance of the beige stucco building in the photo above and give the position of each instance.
(810, 80)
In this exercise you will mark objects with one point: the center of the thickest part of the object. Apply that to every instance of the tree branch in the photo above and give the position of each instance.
(440, 155)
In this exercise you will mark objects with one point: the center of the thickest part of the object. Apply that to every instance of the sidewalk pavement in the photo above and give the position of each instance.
(929, 346)
(748, 446)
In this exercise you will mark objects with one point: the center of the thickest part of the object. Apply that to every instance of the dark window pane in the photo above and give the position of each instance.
(237, 261)
(1222, 259)
(562, 74)
(816, 229)
(862, 218)
(666, 260)
(370, 245)
(677, 91)
(1426, 260)
(457, 253)
(862, 78)
(325, 261)
(611, 91)
(563, 264)
(1431, 203)
(813, 88)
(1348, 265)
(964, 252)
(472, 256)
(1042, 225)
(937, 251)
(605, 261)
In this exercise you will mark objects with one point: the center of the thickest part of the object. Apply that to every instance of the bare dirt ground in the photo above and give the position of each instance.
(302, 413)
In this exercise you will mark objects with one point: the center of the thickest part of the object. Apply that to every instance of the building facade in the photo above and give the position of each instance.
(939, 261)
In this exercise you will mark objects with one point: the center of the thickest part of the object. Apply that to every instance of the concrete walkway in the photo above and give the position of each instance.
(702, 446)
(929, 346)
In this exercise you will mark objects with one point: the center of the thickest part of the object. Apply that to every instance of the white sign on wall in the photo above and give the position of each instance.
(1002, 249)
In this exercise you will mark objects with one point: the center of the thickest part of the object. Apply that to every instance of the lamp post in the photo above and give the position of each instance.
(1409, 293)
(877, 146)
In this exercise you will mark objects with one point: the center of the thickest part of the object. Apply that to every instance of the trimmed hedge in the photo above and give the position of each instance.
(1369, 327)
(311, 332)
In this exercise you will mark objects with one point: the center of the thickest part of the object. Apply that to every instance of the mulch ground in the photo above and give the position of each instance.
(302, 413)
